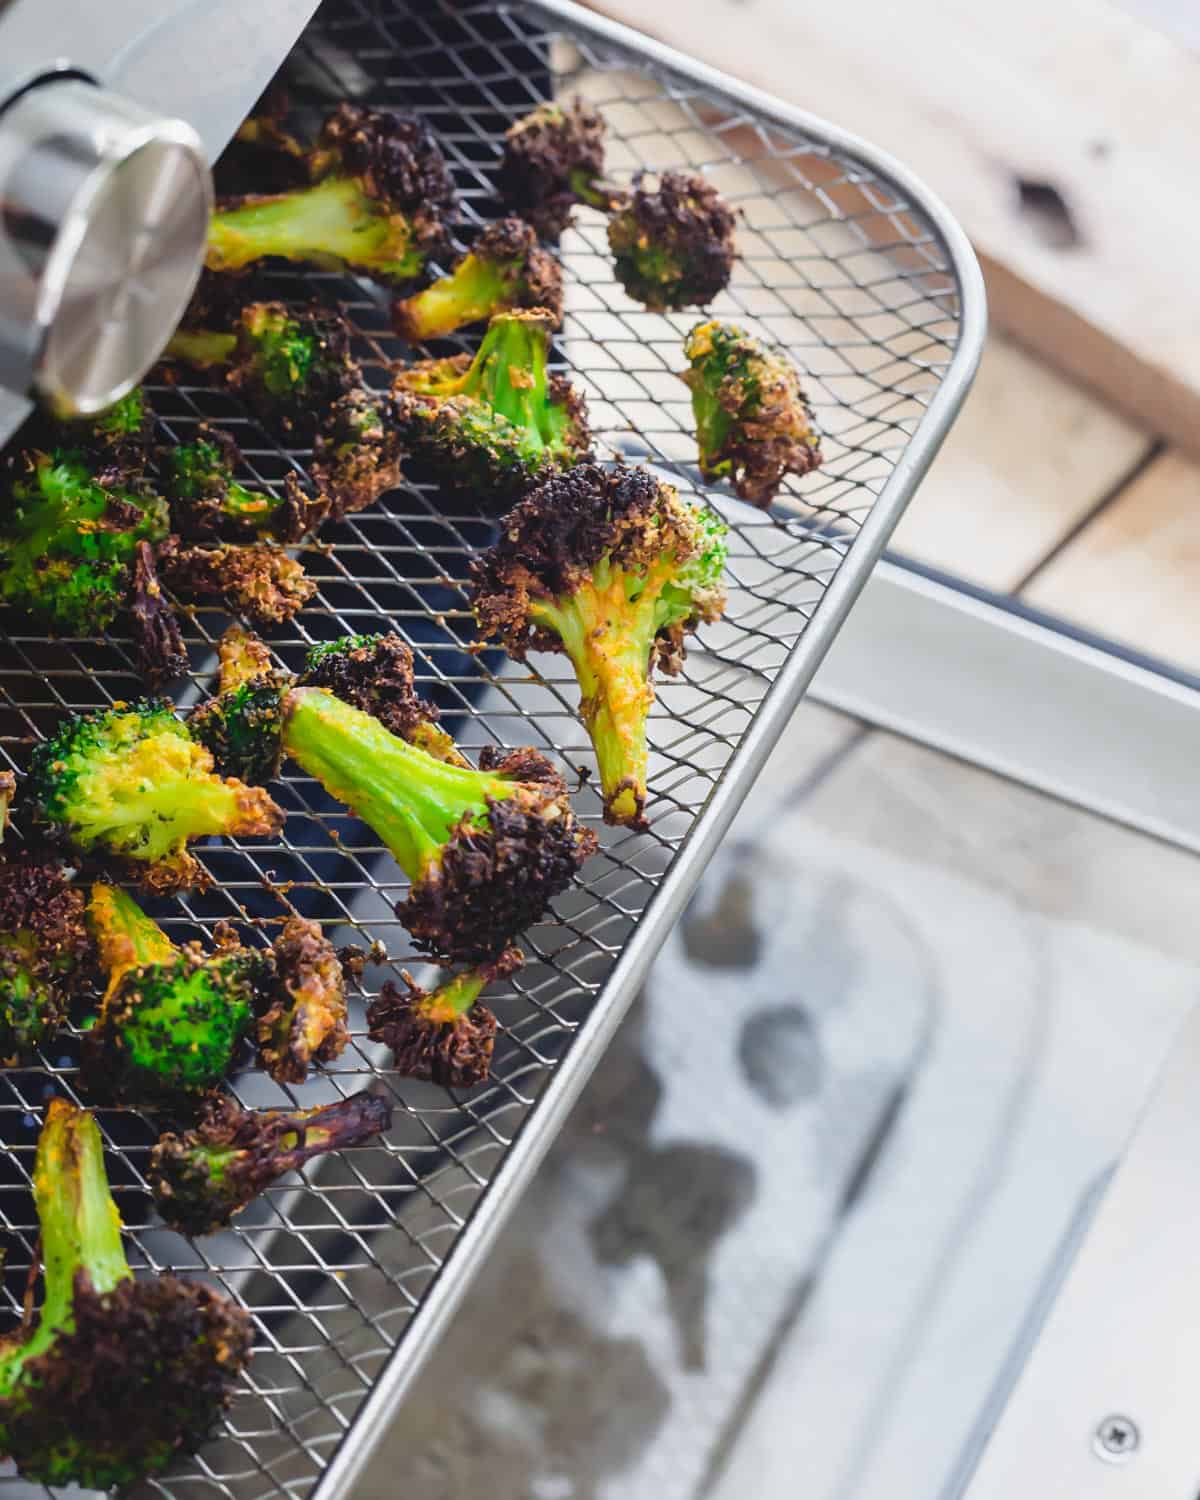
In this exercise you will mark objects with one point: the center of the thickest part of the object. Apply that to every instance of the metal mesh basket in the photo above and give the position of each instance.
(844, 259)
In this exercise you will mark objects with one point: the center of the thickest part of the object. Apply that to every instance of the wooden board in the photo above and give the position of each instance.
(1062, 136)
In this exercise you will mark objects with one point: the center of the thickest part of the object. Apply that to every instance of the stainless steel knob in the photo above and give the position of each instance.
(103, 214)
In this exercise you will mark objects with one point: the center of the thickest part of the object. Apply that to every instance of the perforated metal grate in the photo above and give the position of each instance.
(864, 281)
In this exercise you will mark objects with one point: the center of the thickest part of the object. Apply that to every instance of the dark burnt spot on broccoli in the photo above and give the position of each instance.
(155, 626)
(356, 452)
(204, 1177)
(46, 952)
(259, 580)
(305, 1021)
(553, 159)
(673, 243)
(374, 673)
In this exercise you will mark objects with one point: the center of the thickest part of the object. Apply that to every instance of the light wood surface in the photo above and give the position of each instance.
(1078, 100)
(1132, 574)
(1029, 457)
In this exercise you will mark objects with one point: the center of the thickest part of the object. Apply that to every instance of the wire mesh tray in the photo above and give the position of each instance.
(351, 1273)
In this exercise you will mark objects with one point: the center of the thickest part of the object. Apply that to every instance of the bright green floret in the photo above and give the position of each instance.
(68, 545)
(495, 424)
(116, 1376)
(205, 497)
(132, 782)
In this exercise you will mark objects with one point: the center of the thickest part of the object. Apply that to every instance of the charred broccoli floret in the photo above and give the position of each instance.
(553, 159)
(257, 579)
(305, 1019)
(442, 1035)
(495, 424)
(356, 451)
(612, 567)
(208, 502)
(753, 423)
(375, 673)
(504, 269)
(673, 245)
(45, 953)
(202, 1178)
(69, 544)
(485, 850)
(115, 1377)
(264, 153)
(132, 782)
(115, 441)
(377, 203)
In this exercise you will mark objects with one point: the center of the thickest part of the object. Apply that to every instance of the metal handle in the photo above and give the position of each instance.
(104, 209)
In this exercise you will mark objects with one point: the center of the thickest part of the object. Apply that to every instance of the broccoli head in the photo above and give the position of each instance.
(202, 1178)
(133, 783)
(69, 544)
(493, 425)
(45, 953)
(612, 567)
(356, 452)
(505, 269)
(115, 1377)
(753, 423)
(114, 442)
(485, 851)
(553, 159)
(673, 245)
(441, 1035)
(377, 203)
(305, 1019)
(208, 503)
(257, 579)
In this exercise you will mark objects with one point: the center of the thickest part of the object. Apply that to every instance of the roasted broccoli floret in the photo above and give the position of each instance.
(673, 245)
(553, 159)
(504, 269)
(115, 442)
(485, 850)
(442, 1035)
(116, 1376)
(132, 782)
(69, 544)
(356, 451)
(375, 673)
(305, 1019)
(257, 579)
(202, 1178)
(493, 425)
(612, 567)
(173, 1019)
(209, 503)
(753, 423)
(45, 953)
(377, 204)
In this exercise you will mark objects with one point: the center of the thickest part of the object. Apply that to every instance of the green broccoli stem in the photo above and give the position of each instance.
(607, 629)
(201, 347)
(472, 292)
(713, 424)
(126, 938)
(508, 374)
(596, 193)
(81, 1229)
(412, 800)
(333, 221)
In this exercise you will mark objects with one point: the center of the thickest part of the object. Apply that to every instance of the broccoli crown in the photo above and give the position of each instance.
(242, 727)
(673, 245)
(68, 544)
(378, 202)
(753, 422)
(375, 673)
(292, 365)
(117, 1376)
(45, 953)
(202, 1178)
(495, 424)
(612, 567)
(485, 850)
(441, 1035)
(206, 500)
(356, 452)
(553, 157)
(257, 579)
(173, 1029)
(305, 1022)
(505, 269)
(133, 782)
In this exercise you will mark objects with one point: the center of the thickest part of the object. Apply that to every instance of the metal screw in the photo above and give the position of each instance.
(1116, 1439)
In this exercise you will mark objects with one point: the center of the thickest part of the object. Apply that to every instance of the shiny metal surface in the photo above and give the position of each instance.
(105, 210)
(1105, 1408)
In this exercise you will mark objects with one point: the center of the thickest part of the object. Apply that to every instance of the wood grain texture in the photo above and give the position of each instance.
(1027, 459)
(1062, 136)
(1131, 575)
